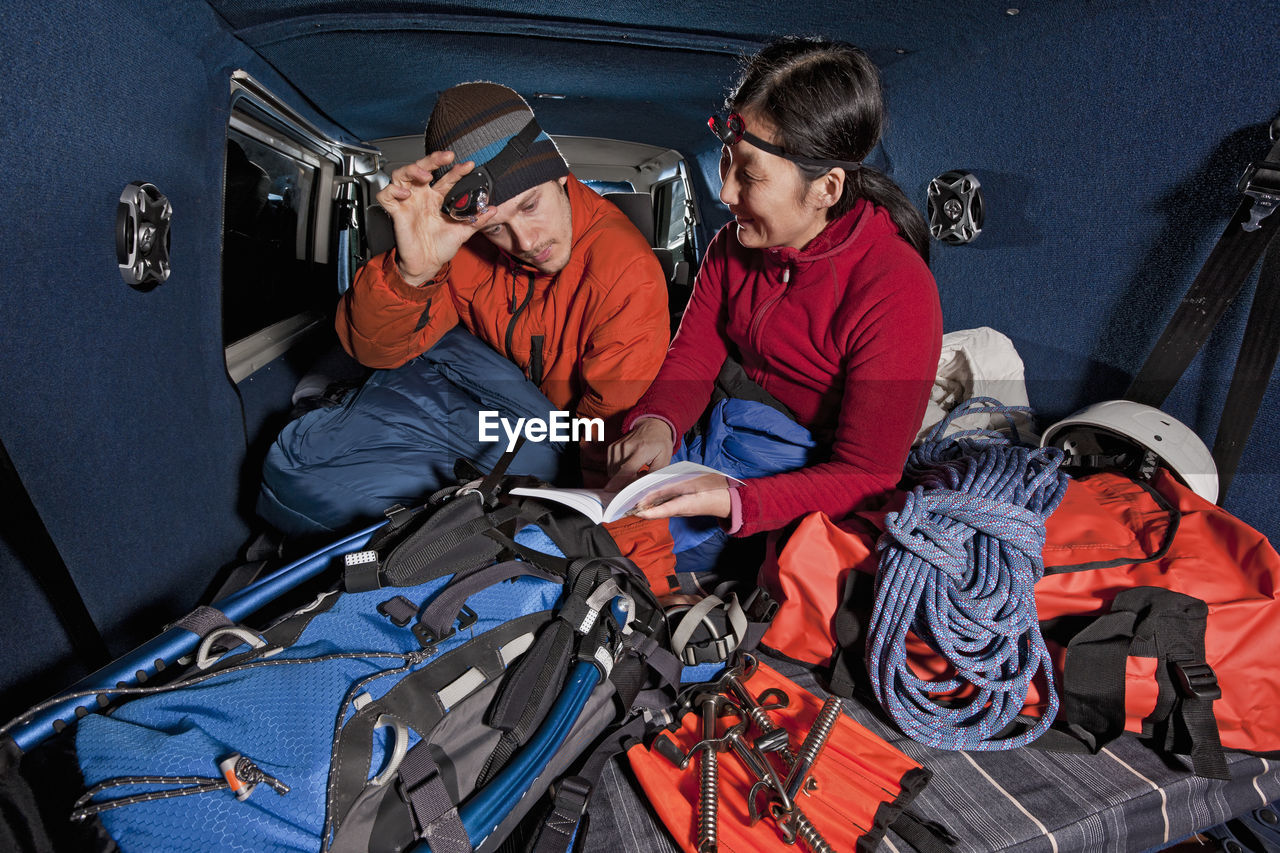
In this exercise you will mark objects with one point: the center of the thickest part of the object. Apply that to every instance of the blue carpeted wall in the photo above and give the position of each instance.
(1109, 139)
(117, 410)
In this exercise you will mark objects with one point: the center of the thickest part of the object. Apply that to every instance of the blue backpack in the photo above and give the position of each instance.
(475, 652)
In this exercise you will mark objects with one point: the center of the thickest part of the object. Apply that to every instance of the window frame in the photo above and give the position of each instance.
(259, 115)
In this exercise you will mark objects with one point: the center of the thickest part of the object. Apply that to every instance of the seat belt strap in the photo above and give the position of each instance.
(1246, 239)
(1258, 353)
(1221, 278)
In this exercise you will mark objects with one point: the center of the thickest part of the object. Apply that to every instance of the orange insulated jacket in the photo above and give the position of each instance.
(591, 336)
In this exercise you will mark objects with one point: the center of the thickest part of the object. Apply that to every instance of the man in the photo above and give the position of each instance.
(527, 258)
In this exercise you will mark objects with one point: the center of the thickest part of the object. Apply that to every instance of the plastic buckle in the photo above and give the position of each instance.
(1197, 680)
(574, 792)
(761, 606)
(466, 618)
(1260, 182)
(714, 650)
(425, 638)
(399, 610)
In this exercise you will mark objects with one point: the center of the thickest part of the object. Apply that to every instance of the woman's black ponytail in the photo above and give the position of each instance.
(824, 99)
(881, 189)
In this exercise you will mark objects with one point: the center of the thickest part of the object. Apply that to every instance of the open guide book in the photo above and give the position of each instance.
(602, 506)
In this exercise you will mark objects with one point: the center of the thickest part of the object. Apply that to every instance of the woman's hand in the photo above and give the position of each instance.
(426, 238)
(648, 446)
(713, 502)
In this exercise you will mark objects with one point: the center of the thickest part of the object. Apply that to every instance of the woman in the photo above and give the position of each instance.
(820, 287)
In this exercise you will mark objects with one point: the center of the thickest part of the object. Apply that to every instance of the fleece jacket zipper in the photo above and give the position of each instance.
(758, 320)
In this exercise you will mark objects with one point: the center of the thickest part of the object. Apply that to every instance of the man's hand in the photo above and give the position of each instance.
(426, 238)
(647, 447)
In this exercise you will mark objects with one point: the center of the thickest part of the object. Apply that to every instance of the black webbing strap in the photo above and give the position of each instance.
(203, 620)
(399, 610)
(439, 615)
(488, 487)
(1146, 622)
(848, 663)
(559, 565)
(656, 656)
(925, 836)
(434, 811)
(26, 533)
(1092, 690)
(513, 151)
(406, 569)
(1229, 263)
(1232, 259)
(572, 793)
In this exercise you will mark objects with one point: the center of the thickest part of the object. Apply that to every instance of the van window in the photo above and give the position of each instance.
(603, 187)
(269, 271)
(671, 200)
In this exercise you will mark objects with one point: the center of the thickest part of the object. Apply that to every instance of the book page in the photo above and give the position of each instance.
(602, 506)
(589, 502)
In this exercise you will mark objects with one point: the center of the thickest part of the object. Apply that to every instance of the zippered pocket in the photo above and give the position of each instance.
(535, 358)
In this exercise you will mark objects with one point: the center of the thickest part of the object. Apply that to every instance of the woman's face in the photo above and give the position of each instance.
(770, 199)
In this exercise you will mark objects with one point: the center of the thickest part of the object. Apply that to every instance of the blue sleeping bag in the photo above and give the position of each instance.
(744, 439)
(395, 440)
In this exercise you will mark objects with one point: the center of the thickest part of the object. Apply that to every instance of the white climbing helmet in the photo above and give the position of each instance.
(1105, 433)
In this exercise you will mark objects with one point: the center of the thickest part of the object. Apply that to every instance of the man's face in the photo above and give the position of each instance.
(535, 226)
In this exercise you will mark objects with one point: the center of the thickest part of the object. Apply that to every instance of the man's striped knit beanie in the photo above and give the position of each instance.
(476, 120)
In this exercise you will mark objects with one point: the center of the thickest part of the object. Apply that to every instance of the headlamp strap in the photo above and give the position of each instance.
(513, 151)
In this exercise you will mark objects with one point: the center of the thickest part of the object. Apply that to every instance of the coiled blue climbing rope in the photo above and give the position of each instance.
(958, 567)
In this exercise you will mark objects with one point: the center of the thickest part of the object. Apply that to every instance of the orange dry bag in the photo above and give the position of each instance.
(1158, 609)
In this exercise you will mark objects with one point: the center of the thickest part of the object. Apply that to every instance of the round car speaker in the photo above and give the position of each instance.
(142, 235)
(955, 207)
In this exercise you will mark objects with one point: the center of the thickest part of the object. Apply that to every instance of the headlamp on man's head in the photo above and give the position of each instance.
(732, 130)
(473, 193)
(470, 196)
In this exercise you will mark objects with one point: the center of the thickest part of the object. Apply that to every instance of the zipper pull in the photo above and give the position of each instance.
(786, 274)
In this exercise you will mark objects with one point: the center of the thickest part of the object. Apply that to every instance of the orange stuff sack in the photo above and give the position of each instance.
(1153, 602)
(647, 543)
(864, 783)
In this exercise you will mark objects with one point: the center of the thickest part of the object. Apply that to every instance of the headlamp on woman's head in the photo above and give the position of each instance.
(732, 130)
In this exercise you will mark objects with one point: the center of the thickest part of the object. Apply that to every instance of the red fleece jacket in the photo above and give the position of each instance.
(846, 333)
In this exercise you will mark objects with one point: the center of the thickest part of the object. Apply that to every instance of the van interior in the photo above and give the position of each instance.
(142, 388)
